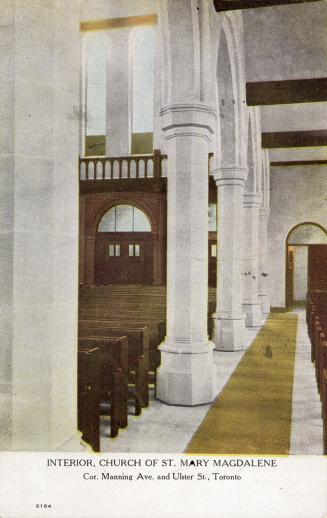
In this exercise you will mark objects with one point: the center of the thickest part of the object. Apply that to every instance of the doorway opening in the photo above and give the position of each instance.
(298, 242)
(124, 247)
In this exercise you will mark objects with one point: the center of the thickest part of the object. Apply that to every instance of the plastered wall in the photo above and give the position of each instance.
(300, 272)
(298, 195)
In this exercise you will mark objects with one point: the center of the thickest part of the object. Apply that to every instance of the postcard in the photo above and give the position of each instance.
(163, 259)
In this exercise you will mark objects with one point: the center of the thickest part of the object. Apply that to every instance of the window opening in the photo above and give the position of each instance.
(124, 218)
(114, 250)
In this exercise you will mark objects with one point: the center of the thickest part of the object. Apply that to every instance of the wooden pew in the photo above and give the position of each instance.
(114, 365)
(138, 354)
(324, 409)
(317, 330)
(89, 396)
(157, 330)
(133, 305)
(102, 365)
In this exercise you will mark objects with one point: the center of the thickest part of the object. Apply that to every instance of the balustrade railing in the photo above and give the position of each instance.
(125, 167)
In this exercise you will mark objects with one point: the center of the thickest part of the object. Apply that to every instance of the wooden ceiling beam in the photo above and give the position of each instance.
(231, 5)
(290, 139)
(286, 92)
(288, 163)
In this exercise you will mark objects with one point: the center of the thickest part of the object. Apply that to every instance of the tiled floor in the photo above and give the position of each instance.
(307, 429)
(168, 429)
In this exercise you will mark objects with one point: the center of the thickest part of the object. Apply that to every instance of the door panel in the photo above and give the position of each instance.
(124, 258)
(290, 277)
(317, 267)
(212, 260)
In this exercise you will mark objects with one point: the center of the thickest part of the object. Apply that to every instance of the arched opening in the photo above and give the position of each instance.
(226, 145)
(227, 101)
(250, 183)
(124, 247)
(298, 243)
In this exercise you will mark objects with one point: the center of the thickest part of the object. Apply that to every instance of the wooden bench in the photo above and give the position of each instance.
(89, 396)
(316, 317)
(157, 331)
(114, 367)
(102, 384)
(138, 355)
(324, 409)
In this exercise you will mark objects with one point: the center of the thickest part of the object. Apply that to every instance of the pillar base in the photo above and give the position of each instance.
(228, 332)
(265, 304)
(185, 378)
(253, 314)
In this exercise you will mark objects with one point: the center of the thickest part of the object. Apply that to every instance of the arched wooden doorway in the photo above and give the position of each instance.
(124, 247)
(298, 241)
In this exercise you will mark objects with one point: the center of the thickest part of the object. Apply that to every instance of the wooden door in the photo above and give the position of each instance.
(134, 261)
(317, 267)
(124, 258)
(290, 277)
(212, 260)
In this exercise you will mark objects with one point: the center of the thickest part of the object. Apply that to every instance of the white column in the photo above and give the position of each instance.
(39, 224)
(185, 375)
(251, 302)
(118, 93)
(229, 319)
(263, 261)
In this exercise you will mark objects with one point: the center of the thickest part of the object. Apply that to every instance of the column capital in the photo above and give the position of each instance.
(252, 199)
(188, 120)
(234, 174)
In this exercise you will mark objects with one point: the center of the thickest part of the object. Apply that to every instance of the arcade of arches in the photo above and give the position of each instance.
(199, 143)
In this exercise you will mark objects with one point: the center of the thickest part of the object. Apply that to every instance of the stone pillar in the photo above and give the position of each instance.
(39, 146)
(263, 261)
(118, 94)
(251, 302)
(229, 319)
(185, 376)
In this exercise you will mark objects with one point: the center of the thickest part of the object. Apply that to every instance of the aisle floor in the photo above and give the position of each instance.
(307, 425)
(168, 429)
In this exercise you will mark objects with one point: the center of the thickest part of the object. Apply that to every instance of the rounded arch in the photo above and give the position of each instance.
(307, 233)
(297, 243)
(250, 183)
(254, 152)
(124, 218)
(231, 79)
(153, 207)
(126, 251)
(119, 200)
(226, 102)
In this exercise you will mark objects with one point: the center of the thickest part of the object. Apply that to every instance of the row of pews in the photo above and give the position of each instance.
(316, 316)
(119, 330)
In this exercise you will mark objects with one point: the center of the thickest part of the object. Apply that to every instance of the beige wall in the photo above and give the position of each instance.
(282, 43)
(297, 196)
(300, 272)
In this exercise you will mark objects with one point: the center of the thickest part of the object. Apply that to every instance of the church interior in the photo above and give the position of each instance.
(163, 229)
